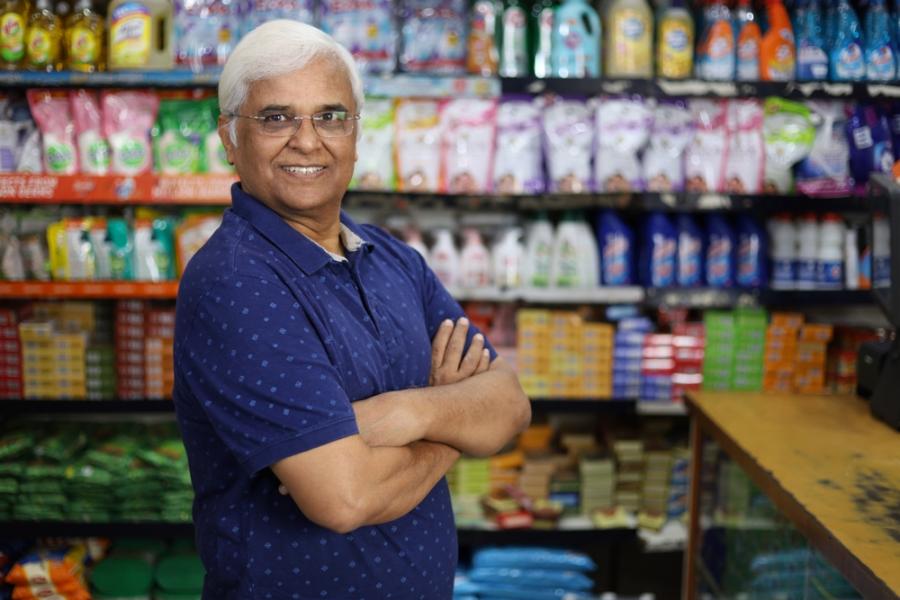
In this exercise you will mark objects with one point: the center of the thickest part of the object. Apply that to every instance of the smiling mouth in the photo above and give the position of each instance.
(304, 171)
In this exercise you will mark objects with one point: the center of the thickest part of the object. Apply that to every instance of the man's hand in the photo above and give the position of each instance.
(448, 365)
(389, 419)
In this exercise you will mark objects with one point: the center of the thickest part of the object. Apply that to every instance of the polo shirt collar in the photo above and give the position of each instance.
(305, 253)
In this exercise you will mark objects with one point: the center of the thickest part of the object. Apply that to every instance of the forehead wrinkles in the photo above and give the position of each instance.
(323, 83)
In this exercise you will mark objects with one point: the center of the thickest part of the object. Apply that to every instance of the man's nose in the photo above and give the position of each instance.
(305, 138)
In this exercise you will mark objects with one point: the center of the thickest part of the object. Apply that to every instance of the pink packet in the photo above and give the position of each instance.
(93, 151)
(51, 113)
(469, 127)
(706, 155)
(418, 139)
(127, 120)
(746, 147)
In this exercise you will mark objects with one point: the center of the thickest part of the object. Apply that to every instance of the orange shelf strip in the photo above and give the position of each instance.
(22, 188)
(113, 290)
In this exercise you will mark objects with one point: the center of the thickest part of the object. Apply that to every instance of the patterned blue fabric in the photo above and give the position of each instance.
(274, 340)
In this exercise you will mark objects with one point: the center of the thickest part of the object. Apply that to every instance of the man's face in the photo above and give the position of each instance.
(295, 175)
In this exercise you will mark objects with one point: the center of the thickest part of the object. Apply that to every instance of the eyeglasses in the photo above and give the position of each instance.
(328, 123)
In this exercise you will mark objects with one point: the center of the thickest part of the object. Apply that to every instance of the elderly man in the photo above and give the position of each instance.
(325, 380)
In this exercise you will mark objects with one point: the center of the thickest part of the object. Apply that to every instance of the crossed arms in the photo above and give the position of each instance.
(408, 439)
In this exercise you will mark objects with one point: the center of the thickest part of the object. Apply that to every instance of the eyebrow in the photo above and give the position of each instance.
(285, 108)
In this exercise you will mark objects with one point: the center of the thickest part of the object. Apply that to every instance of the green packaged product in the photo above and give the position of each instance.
(8, 485)
(15, 444)
(62, 446)
(180, 574)
(11, 469)
(181, 134)
(38, 470)
(120, 249)
(122, 577)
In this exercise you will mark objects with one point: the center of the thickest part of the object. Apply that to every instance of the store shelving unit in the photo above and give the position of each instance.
(89, 290)
(81, 407)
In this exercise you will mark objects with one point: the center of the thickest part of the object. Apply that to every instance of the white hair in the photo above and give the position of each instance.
(273, 49)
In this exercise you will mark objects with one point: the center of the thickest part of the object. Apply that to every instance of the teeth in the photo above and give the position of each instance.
(303, 170)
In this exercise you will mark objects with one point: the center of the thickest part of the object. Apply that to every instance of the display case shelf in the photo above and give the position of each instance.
(33, 529)
(204, 190)
(606, 406)
(89, 290)
(24, 407)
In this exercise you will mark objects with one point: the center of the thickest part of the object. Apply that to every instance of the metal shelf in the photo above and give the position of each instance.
(471, 537)
(96, 290)
(806, 298)
(700, 297)
(599, 295)
(32, 529)
(603, 406)
(22, 407)
(660, 409)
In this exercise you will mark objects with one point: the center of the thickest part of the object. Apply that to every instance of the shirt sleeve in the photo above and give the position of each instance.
(260, 372)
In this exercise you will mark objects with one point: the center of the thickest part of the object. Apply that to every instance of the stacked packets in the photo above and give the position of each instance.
(598, 483)
(629, 473)
(655, 491)
(534, 573)
(718, 362)
(627, 355)
(750, 342)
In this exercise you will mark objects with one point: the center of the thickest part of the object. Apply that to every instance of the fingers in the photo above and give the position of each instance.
(439, 343)
(282, 490)
(485, 363)
(454, 353)
(470, 361)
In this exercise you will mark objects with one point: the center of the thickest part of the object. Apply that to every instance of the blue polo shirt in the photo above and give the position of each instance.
(274, 341)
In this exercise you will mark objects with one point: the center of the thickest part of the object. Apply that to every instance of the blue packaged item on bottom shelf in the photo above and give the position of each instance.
(520, 557)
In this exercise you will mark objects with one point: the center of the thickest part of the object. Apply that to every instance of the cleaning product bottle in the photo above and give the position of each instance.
(783, 251)
(540, 28)
(445, 258)
(84, 39)
(830, 264)
(658, 252)
(483, 55)
(616, 241)
(43, 40)
(13, 20)
(475, 261)
(629, 39)
(751, 253)
(588, 255)
(846, 60)
(777, 52)
(812, 59)
(675, 42)
(576, 40)
(539, 252)
(413, 238)
(749, 37)
(690, 252)
(881, 251)
(807, 253)
(565, 271)
(720, 251)
(508, 259)
(717, 46)
(880, 54)
(514, 41)
(140, 34)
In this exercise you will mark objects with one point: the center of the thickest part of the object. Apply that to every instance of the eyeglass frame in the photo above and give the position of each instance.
(298, 121)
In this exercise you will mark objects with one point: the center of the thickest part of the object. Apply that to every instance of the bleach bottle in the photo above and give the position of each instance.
(658, 252)
(783, 251)
(690, 252)
(751, 253)
(812, 59)
(720, 251)
(616, 241)
(777, 51)
(881, 58)
(749, 37)
(846, 61)
(576, 40)
(716, 52)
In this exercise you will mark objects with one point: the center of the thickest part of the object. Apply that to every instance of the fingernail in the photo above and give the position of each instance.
(446, 323)
(464, 321)
(479, 337)
(486, 352)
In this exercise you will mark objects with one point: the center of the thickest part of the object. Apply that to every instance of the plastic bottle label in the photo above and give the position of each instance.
(782, 272)
(719, 59)
(830, 273)
(568, 265)
(84, 47)
(514, 62)
(849, 64)
(129, 35)
(748, 271)
(719, 262)
(748, 53)
(542, 259)
(689, 249)
(881, 271)
(40, 46)
(806, 272)
(880, 64)
(12, 37)
(482, 49)
(60, 158)
(615, 261)
(862, 138)
(781, 65)
(812, 63)
(676, 50)
(542, 55)
(631, 42)
(662, 267)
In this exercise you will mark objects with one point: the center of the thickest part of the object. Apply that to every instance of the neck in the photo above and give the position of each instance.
(326, 233)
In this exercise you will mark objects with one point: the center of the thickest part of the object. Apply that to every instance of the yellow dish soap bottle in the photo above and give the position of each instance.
(629, 41)
(140, 35)
(43, 40)
(84, 39)
(675, 45)
(13, 20)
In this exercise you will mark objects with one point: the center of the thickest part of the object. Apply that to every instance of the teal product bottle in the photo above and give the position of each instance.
(812, 59)
(576, 40)
(514, 40)
(542, 18)
(846, 61)
(881, 56)
(830, 23)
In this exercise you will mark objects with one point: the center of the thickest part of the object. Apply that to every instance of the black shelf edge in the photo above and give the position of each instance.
(472, 537)
(805, 298)
(588, 406)
(712, 298)
(22, 407)
(175, 78)
(693, 88)
(32, 529)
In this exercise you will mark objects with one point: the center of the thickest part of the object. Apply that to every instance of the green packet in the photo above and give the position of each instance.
(166, 454)
(180, 136)
(16, 444)
(61, 446)
(87, 474)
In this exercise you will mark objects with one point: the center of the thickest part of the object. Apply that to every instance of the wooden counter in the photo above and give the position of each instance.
(826, 463)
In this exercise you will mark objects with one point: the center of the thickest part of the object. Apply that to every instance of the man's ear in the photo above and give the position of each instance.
(225, 135)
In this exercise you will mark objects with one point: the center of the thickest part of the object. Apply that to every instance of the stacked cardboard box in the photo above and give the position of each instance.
(597, 353)
(566, 361)
(679, 484)
(10, 356)
(629, 473)
(131, 349)
(628, 348)
(688, 344)
(53, 362)
(657, 367)
(533, 351)
(598, 483)
(159, 370)
(780, 352)
(718, 361)
(812, 350)
(749, 353)
(535, 478)
(655, 490)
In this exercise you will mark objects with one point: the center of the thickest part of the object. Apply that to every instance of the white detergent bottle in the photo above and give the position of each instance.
(445, 258)
(508, 259)
(475, 262)
(807, 253)
(783, 251)
(565, 271)
(538, 253)
(588, 256)
(413, 238)
(830, 267)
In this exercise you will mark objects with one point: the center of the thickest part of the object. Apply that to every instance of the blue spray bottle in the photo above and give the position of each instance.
(830, 23)
(881, 58)
(846, 60)
(812, 60)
